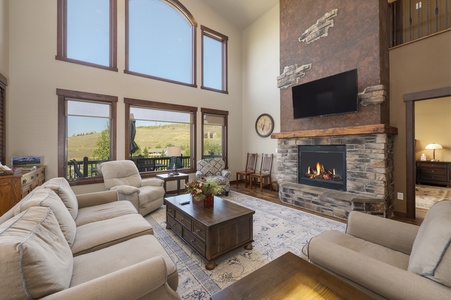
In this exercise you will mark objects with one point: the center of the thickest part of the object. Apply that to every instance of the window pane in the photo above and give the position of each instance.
(88, 109)
(213, 139)
(160, 41)
(152, 136)
(88, 31)
(212, 63)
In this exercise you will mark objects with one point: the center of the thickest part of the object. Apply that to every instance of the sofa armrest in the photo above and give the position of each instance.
(125, 189)
(381, 278)
(152, 182)
(392, 234)
(225, 173)
(134, 282)
(96, 198)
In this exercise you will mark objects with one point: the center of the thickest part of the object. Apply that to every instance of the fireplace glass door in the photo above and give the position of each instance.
(322, 166)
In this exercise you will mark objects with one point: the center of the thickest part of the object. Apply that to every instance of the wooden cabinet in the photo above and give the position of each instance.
(14, 187)
(434, 172)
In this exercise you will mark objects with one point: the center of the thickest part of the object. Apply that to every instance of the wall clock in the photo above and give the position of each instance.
(264, 125)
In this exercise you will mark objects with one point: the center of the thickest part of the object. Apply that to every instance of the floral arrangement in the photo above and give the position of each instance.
(201, 189)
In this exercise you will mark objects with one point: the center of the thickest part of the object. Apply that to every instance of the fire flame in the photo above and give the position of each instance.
(318, 168)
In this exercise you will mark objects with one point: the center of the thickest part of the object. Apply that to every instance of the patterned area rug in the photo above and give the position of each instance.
(277, 230)
(426, 195)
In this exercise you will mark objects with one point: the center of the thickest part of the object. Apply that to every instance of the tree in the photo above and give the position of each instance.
(103, 145)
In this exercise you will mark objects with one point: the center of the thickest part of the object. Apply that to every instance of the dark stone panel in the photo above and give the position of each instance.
(359, 39)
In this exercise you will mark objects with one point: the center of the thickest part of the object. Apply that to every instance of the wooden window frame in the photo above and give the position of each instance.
(225, 138)
(63, 96)
(189, 17)
(3, 84)
(168, 107)
(205, 31)
(62, 37)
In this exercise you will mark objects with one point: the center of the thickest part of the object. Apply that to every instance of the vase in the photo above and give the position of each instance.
(206, 202)
(209, 200)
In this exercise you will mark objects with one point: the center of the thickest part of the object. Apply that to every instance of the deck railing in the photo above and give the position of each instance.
(415, 19)
(89, 168)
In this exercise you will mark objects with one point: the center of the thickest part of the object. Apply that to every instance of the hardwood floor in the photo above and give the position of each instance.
(272, 196)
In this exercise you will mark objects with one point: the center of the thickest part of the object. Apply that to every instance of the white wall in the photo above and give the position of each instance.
(261, 66)
(35, 74)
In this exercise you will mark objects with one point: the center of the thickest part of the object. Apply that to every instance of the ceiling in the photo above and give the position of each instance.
(242, 13)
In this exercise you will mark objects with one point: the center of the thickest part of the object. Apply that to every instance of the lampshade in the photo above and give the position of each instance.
(434, 146)
(174, 151)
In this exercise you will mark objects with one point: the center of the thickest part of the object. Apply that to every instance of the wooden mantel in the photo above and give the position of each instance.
(353, 130)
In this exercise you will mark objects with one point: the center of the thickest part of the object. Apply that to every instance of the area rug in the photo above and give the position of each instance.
(426, 195)
(277, 230)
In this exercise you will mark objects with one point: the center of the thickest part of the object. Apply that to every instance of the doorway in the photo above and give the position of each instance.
(410, 100)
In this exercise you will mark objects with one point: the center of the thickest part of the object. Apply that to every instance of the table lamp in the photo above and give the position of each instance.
(433, 147)
(174, 151)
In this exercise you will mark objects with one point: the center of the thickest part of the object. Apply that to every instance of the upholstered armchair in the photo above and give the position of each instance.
(123, 176)
(213, 169)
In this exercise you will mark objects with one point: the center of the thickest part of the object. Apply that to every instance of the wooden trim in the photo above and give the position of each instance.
(353, 130)
(64, 95)
(162, 106)
(61, 49)
(225, 141)
(3, 80)
(189, 17)
(410, 99)
(429, 94)
(223, 39)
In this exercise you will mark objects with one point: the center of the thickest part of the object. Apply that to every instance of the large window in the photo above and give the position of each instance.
(214, 60)
(152, 127)
(160, 39)
(87, 134)
(87, 32)
(214, 133)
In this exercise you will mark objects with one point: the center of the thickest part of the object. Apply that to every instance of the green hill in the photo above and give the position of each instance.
(154, 138)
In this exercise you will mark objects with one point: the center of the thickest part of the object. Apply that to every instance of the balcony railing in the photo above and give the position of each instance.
(89, 168)
(414, 19)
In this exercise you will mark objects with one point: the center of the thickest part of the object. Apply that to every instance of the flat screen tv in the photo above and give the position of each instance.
(336, 94)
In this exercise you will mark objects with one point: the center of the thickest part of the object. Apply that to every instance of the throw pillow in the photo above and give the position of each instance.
(432, 243)
(35, 259)
(62, 188)
(48, 198)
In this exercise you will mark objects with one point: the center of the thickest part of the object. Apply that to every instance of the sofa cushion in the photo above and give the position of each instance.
(35, 259)
(97, 235)
(48, 198)
(431, 247)
(368, 249)
(62, 188)
(116, 257)
(105, 211)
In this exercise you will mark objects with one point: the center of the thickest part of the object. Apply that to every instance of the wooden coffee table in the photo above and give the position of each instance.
(290, 277)
(211, 232)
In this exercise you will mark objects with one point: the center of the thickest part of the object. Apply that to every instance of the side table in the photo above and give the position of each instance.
(167, 177)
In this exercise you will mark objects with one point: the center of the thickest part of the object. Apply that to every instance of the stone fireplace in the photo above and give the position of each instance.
(366, 176)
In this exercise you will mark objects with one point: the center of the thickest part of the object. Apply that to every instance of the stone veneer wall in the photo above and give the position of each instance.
(369, 163)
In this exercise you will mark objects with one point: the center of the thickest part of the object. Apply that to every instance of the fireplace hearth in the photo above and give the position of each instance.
(322, 166)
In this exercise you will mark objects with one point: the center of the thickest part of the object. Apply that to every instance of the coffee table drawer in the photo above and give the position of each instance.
(170, 210)
(183, 218)
(195, 242)
(199, 231)
(174, 225)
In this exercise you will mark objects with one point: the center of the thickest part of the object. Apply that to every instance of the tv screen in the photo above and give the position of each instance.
(336, 94)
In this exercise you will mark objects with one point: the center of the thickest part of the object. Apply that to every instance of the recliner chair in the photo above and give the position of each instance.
(123, 176)
(214, 169)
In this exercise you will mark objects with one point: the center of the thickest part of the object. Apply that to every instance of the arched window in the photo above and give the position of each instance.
(160, 41)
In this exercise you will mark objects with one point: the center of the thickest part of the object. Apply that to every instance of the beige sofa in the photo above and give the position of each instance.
(390, 259)
(58, 245)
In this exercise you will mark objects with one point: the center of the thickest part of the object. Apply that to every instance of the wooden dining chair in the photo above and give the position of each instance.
(264, 176)
(251, 164)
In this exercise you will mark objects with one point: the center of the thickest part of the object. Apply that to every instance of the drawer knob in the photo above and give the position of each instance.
(192, 241)
(24, 181)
